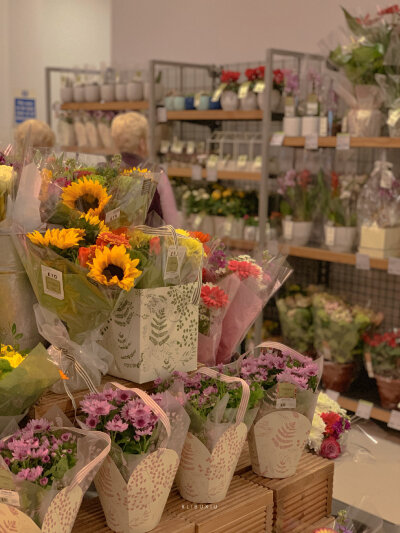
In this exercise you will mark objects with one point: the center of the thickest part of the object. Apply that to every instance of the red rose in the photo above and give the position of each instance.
(330, 448)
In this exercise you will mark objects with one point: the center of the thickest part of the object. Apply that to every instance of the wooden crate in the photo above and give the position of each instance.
(91, 519)
(246, 508)
(328, 521)
(302, 499)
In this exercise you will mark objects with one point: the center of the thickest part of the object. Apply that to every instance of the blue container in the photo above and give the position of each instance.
(215, 105)
(189, 102)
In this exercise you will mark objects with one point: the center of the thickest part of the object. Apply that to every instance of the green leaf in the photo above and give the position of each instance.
(352, 24)
(14, 329)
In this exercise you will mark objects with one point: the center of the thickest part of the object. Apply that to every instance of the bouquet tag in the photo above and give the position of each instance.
(368, 364)
(394, 266)
(311, 141)
(312, 105)
(217, 93)
(164, 147)
(286, 396)
(172, 263)
(162, 114)
(147, 184)
(243, 90)
(394, 420)
(363, 262)
(364, 409)
(323, 126)
(342, 141)
(289, 106)
(10, 497)
(196, 172)
(53, 282)
(197, 97)
(242, 161)
(330, 235)
(333, 394)
(257, 163)
(112, 215)
(288, 229)
(259, 86)
(190, 147)
(277, 138)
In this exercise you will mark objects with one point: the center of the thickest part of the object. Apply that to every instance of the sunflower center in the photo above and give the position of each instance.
(113, 270)
(86, 202)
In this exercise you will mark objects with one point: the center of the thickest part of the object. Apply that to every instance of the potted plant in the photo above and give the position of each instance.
(297, 205)
(278, 83)
(291, 122)
(248, 99)
(229, 97)
(134, 89)
(66, 91)
(310, 121)
(383, 351)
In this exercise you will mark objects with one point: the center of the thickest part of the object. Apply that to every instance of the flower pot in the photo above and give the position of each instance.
(204, 103)
(389, 391)
(107, 92)
(249, 102)
(229, 101)
(66, 94)
(276, 100)
(380, 242)
(79, 93)
(364, 122)
(159, 91)
(215, 105)
(169, 103)
(189, 103)
(309, 125)
(120, 92)
(292, 126)
(340, 238)
(338, 376)
(134, 91)
(296, 232)
(92, 93)
(179, 103)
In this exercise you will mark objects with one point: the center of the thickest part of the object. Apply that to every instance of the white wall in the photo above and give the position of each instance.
(222, 31)
(35, 34)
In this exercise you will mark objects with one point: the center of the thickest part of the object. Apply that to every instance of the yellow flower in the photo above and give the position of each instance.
(6, 174)
(138, 239)
(183, 232)
(193, 247)
(113, 266)
(216, 195)
(9, 354)
(227, 193)
(134, 169)
(61, 238)
(94, 220)
(86, 196)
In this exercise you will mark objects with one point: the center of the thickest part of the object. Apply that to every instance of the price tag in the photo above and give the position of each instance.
(343, 141)
(242, 161)
(330, 235)
(364, 409)
(112, 215)
(394, 266)
(394, 420)
(196, 172)
(217, 93)
(10, 497)
(368, 364)
(333, 394)
(259, 86)
(197, 97)
(277, 138)
(162, 114)
(190, 147)
(52, 282)
(286, 393)
(311, 141)
(323, 126)
(257, 163)
(212, 174)
(172, 263)
(164, 147)
(243, 89)
(288, 229)
(363, 262)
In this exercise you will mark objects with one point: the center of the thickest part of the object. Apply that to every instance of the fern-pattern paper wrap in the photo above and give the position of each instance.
(153, 332)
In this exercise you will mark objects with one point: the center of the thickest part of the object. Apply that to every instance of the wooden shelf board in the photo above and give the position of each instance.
(355, 142)
(186, 172)
(378, 413)
(215, 114)
(105, 106)
(89, 150)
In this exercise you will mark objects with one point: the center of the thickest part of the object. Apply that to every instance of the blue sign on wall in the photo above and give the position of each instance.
(24, 107)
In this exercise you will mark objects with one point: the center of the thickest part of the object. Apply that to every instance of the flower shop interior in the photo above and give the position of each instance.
(199, 266)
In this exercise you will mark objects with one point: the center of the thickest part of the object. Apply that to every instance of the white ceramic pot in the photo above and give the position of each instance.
(297, 233)
(120, 92)
(159, 91)
(179, 103)
(292, 126)
(107, 92)
(249, 102)
(275, 100)
(340, 238)
(66, 94)
(79, 93)
(229, 101)
(309, 125)
(134, 91)
(92, 93)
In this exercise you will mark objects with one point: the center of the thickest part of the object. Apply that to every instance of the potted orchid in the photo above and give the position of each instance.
(229, 97)
(291, 122)
(297, 206)
(310, 121)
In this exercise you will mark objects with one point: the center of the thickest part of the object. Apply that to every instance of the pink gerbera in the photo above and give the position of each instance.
(244, 269)
(213, 296)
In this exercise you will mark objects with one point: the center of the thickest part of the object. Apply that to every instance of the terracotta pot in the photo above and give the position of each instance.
(338, 376)
(389, 391)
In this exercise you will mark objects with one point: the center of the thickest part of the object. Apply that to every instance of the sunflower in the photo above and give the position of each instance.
(60, 238)
(113, 266)
(86, 196)
(94, 220)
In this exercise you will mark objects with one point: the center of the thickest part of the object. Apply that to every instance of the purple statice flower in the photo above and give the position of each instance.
(96, 407)
(116, 424)
(217, 259)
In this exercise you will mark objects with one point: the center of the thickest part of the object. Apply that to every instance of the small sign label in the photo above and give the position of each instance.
(330, 235)
(394, 266)
(368, 364)
(363, 262)
(342, 141)
(172, 263)
(288, 229)
(244, 89)
(190, 147)
(112, 215)
(242, 161)
(10, 497)
(162, 114)
(52, 282)
(164, 147)
(333, 394)
(257, 163)
(364, 409)
(259, 86)
(217, 93)
(196, 172)
(24, 106)
(286, 393)
(394, 420)
(311, 141)
(277, 138)
(323, 126)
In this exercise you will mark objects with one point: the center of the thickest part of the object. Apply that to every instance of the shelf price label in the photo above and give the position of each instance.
(257, 164)
(363, 262)
(394, 420)
(196, 172)
(277, 138)
(259, 86)
(162, 114)
(311, 141)
(333, 394)
(394, 266)
(330, 235)
(364, 409)
(217, 93)
(343, 141)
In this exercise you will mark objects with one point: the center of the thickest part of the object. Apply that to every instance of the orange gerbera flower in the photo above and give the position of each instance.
(113, 239)
(199, 235)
